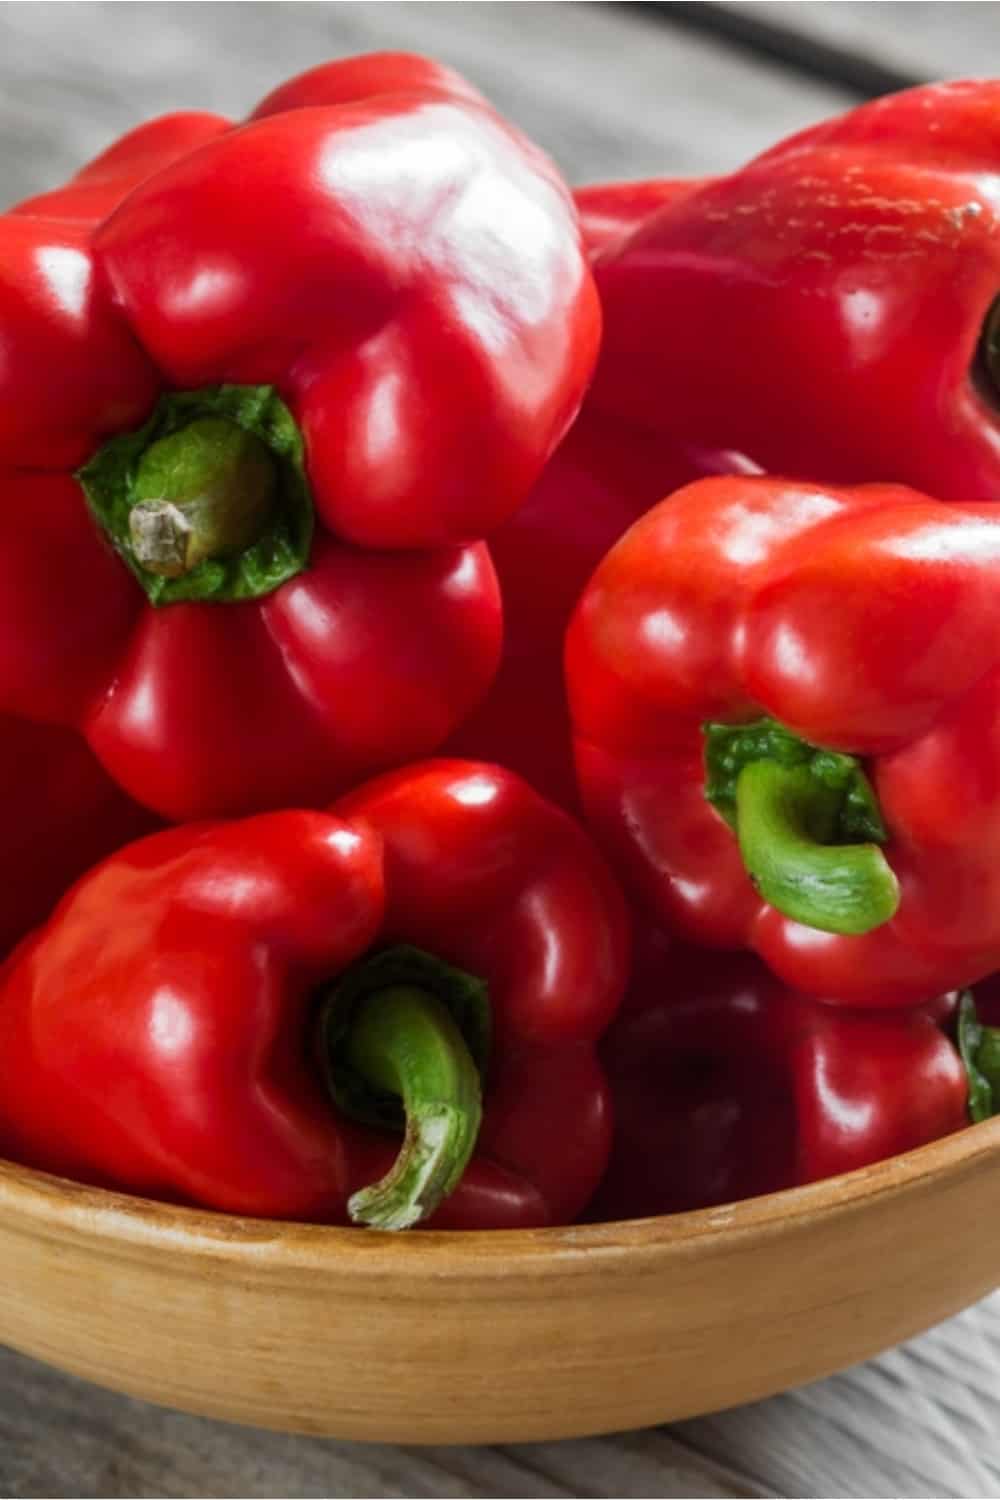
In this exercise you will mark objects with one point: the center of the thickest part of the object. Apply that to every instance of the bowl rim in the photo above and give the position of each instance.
(133, 1226)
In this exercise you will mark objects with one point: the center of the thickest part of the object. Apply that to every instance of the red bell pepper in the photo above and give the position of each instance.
(245, 1015)
(830, 310)
(726, 1085)
(786, 703)
(60, 814)
(303, 365)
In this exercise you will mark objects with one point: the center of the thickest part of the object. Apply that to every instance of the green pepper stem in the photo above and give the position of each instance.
(988, 1057)
(206, 491)
(783, 816)
(979, 1048)
(403, 1041)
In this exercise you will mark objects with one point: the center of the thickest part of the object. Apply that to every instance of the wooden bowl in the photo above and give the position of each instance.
(447, 1338)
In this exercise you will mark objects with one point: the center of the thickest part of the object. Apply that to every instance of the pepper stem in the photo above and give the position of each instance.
(784, 816)
(206, 491)
(979, 1047)
(403, 1041)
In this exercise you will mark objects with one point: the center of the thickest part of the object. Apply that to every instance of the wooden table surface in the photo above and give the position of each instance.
(609, 90)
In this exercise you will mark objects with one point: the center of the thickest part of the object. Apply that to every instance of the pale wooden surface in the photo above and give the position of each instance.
(609, 91)
(959, 40)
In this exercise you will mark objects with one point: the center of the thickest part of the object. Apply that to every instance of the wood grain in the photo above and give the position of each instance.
(109, 1446)
(430, 1338)
(921, 1421)
(959, 40)
(607, 91)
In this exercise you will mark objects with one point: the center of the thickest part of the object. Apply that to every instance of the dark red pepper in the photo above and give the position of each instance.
(727, 1085)
(59, 814)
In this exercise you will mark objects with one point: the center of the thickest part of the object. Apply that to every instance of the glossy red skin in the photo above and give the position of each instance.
(431, 324)
(695, 277)
(155, 1034)
(819, 310)
(101, 185)
(600, 480)
(610, 211)
(727, 1085)
(865, 620)
(59, 813)
(602, 477)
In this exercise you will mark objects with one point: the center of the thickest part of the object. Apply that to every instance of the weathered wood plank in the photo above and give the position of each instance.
(919, 1421)
(61, 1437)
(959, 40)
(608, 91)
